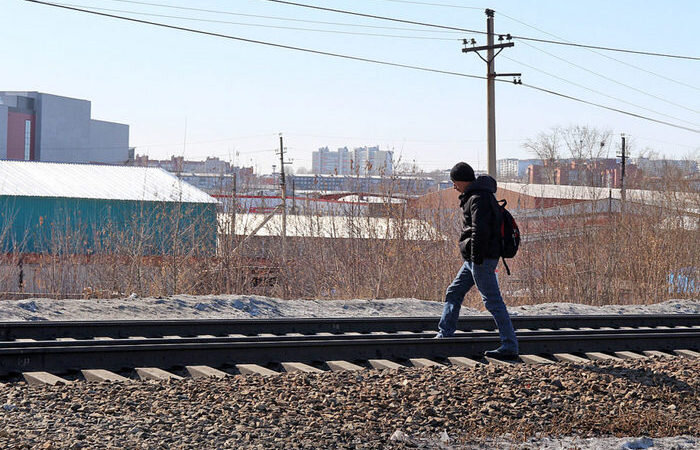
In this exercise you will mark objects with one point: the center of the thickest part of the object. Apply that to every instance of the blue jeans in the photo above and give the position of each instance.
(484, 276)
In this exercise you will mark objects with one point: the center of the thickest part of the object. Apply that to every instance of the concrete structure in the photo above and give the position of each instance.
(42, 127)
(85, 209)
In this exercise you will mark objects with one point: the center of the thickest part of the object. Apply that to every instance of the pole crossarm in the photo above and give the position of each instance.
(486, 47)
(490, 81)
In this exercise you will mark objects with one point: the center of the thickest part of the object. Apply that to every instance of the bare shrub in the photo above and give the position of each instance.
(626, 260)
(629, 255)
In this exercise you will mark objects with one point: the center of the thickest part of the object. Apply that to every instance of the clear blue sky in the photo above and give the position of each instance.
(202, 95)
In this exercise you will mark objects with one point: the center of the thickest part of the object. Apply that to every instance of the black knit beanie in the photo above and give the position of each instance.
(462, 172)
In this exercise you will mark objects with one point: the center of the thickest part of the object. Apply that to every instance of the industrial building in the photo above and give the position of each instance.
(86, 209)
(408, 185)
(541, 209)
(212, 175)
(42, 127)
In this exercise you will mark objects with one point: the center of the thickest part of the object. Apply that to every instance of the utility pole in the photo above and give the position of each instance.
(623, 159)
(294, 202)
(491, 82)
(235, 193)
(284, 197)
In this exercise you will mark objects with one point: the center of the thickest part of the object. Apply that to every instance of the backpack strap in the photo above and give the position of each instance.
(505, 265)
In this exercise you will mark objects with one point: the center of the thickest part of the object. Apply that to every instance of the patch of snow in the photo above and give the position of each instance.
(667, 307)
(550, 443)
(606, 443)
(251, 306)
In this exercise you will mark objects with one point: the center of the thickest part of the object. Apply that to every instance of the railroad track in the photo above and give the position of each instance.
(104, 349)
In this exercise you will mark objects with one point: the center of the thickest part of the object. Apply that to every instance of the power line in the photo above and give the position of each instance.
(379, 138)
(604, 55)
(372, 16)
(610, 49)
(288, 19)
(639, 116)
(214, 141)
(92, 8)
(382, 35)
(597, 92)
(436, 4)
(255, 41)
(695, 147)
(403, 21)
(355, 58)
(611, 79)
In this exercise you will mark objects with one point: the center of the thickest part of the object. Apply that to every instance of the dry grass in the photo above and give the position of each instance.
(626, 259)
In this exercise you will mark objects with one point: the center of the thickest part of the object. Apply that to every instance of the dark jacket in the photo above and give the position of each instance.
(481, 222)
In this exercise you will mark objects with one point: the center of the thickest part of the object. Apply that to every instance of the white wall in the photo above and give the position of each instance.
(63, 129)
(109, 142)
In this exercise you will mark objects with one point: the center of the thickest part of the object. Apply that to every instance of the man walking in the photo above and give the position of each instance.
(480, 245)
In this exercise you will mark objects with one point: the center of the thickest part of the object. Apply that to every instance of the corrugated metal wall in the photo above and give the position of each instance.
(87, 226)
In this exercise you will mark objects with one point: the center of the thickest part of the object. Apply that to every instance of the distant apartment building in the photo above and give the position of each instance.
(35, 126)
(328, 162)
(514, 169)
(361, 161)
(507, 169)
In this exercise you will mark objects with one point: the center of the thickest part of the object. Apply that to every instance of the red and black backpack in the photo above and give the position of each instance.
(510, 234)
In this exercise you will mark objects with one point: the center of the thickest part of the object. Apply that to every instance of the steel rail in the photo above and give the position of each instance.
(46, 330)
(313, 337)
(71, 356)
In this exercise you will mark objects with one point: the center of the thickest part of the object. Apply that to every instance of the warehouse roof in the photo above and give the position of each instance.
(560, 191)
(91, 181)
(682, 200)
(345, 227)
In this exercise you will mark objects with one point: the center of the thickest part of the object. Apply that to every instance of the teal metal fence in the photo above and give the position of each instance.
(85, 226)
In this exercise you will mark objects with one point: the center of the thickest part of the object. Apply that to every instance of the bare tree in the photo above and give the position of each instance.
(547, 147)
(584, 142)
(645, 153)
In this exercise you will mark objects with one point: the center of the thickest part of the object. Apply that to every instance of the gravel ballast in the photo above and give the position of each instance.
(600, 405)
(443, 407)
